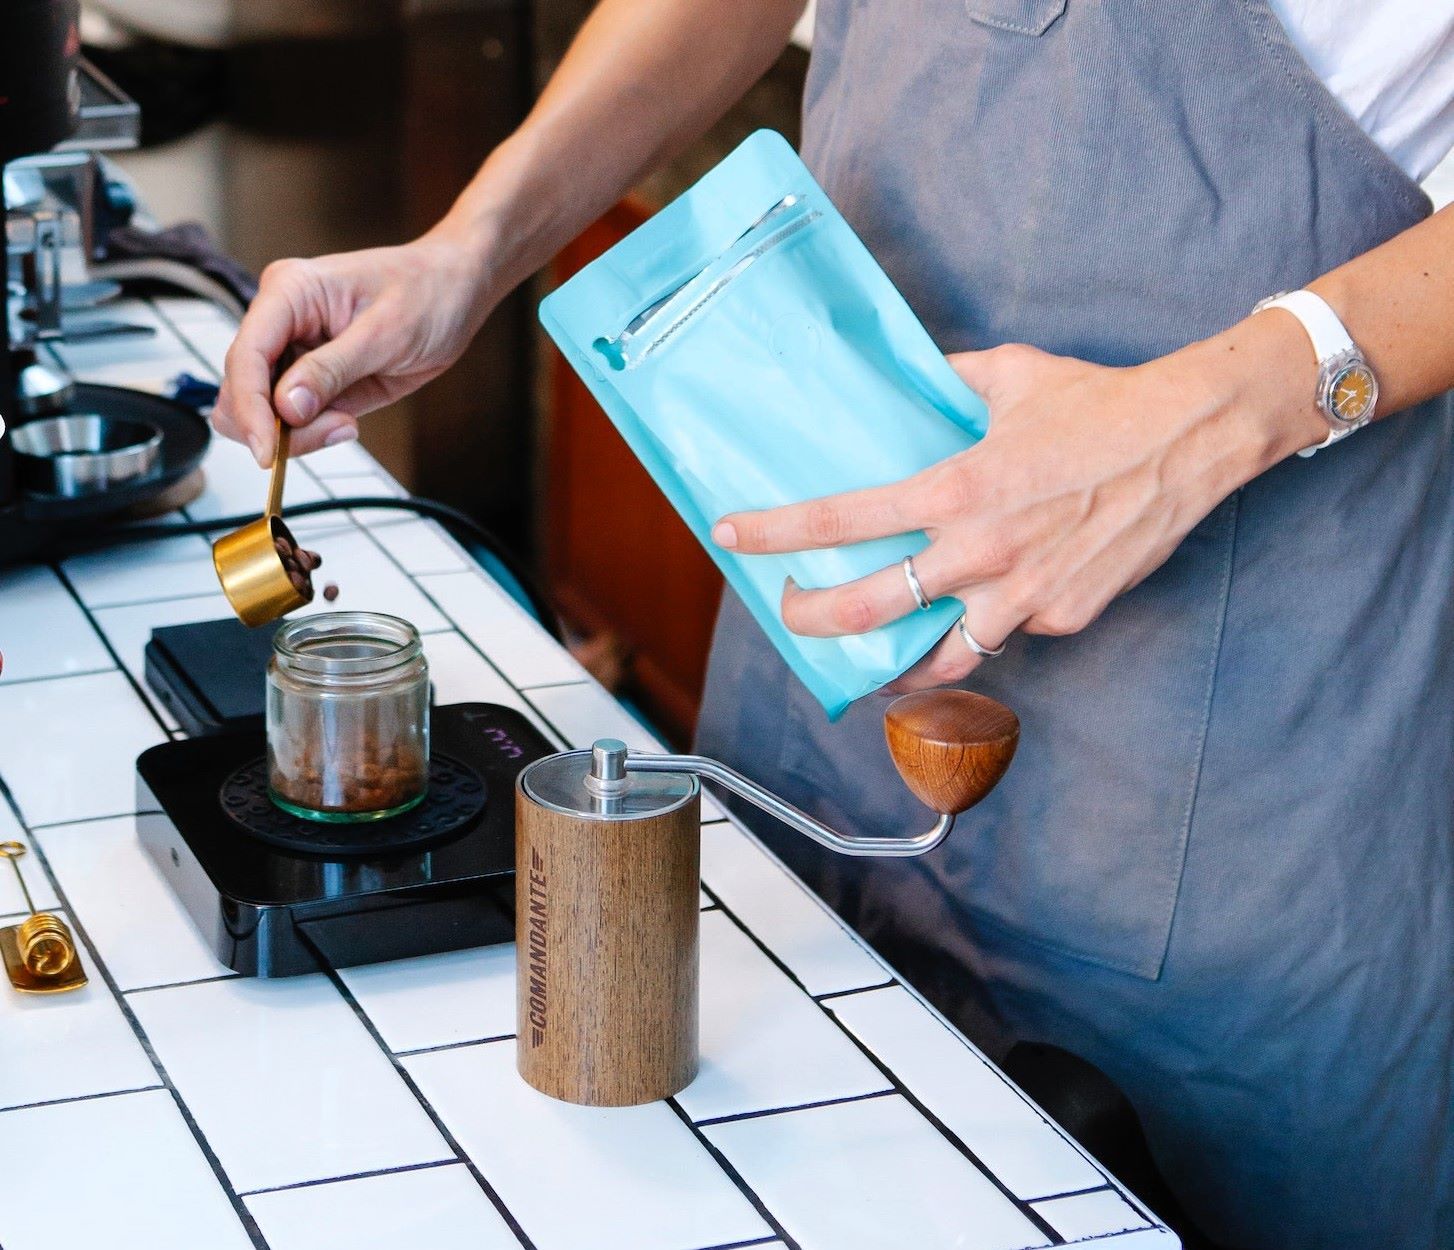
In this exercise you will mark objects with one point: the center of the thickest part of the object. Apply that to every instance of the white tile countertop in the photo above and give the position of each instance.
(172, 1105)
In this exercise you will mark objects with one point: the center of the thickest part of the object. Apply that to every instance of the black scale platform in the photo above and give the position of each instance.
(277, 896)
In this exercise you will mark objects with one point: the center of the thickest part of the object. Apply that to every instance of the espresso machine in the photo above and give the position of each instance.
(73, 456)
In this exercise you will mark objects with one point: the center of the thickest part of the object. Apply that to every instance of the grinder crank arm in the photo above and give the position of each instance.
(950, 747)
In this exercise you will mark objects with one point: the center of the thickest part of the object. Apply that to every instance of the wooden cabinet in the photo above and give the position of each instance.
(619, 561)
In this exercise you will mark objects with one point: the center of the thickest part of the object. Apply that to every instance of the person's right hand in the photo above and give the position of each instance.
(372, 326)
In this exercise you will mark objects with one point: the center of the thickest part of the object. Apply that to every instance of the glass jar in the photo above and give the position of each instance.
(348, 717)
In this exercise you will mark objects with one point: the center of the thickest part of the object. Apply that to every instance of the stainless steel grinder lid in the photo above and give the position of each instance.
(594, 785)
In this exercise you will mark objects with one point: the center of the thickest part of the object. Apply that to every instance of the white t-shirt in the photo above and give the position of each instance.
(1390, 63)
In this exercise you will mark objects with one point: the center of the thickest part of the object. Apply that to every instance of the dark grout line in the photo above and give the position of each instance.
(413, 1087)
(60, 1102)
(1032, 1107)
(474, 1041)
(48, 826)
(8, 682)
(555, 685)
(83, 936)
(158, 599)
(914, 1101)
(801, 1106)
(734, 1176)
(742, 1245)
(476, 570)
(352, 1176)
(862, 989)
(1073, 1193)
(181, 336)
(178, 985)
(111, 650)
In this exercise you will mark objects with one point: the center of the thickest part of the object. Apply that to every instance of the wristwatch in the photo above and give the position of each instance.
(1347, 390)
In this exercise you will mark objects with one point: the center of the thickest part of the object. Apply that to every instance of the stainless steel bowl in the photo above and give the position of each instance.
(83, 453)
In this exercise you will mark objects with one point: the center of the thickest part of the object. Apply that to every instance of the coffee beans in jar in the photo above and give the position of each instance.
(347, 717)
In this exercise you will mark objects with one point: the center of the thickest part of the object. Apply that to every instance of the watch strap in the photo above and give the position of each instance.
(1323, 325)
(1329, 337)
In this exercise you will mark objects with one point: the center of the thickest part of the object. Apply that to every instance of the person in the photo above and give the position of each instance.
(1222, 867)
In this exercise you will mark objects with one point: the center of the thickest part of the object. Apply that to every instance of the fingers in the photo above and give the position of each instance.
(833, 521)
(328, 430)
(869, 602)
(962, 557)
(319, 379)
(244, 408)
(990, 620)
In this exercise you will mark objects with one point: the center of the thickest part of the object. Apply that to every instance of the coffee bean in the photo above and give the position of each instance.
(330, 592)
(300, 583)
(280, 545)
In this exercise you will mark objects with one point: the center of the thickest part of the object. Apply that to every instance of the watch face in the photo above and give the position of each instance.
(1353, 393)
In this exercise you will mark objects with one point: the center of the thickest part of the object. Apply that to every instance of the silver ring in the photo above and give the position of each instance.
(914, 587)
(974, 646)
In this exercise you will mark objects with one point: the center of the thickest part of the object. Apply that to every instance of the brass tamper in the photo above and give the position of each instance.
(248, 565)
(39, 953)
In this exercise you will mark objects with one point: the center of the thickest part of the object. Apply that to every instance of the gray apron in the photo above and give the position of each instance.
(1220, 868)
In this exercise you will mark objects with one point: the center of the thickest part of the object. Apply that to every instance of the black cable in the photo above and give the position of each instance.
(450, 517)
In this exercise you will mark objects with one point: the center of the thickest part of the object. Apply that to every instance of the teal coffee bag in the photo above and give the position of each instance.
(752, 353)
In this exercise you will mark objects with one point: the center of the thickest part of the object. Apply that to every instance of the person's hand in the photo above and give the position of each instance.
(372, 326)
(1088, 479)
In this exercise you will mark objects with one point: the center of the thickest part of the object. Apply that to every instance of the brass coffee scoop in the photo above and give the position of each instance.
(39, 952)
(247, 561)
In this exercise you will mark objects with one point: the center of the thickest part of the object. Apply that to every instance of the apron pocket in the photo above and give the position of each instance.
(1021, 17)
(1080, 848)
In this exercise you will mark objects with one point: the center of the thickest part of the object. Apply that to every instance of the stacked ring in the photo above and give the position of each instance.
(915, 588)
(986, 652)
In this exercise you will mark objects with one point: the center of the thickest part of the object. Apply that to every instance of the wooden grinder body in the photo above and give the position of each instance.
(607, 919)
(606, 892)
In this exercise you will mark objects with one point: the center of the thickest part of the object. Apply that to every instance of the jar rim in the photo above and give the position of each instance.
(346, 644)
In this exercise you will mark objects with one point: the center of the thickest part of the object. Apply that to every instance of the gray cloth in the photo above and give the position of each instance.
(1220, 868)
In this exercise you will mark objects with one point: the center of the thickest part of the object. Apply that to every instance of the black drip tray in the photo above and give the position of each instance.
(269, 908)
(455, 800)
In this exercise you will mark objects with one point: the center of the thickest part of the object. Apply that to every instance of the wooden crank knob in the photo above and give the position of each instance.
(950, 746)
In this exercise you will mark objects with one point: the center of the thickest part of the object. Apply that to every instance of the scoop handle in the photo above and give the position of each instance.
(280, 468)
(950, 746)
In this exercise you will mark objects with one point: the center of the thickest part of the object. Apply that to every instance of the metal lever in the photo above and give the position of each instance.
(781, 809)
(950, 746)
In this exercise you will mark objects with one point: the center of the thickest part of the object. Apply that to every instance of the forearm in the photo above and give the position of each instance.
(643, 79)
(1397, 302)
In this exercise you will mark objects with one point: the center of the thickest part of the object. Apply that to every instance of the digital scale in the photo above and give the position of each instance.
(275, 895)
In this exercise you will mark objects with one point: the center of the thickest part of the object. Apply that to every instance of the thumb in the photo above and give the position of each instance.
(994, 372)
(316, 379)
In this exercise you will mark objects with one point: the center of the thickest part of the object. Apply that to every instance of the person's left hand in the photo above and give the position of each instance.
(1088, 479)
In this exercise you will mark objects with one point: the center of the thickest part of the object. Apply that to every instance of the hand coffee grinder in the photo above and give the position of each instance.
(607, 855)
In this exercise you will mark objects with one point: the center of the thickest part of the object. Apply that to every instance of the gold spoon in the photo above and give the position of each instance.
(247, 561)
